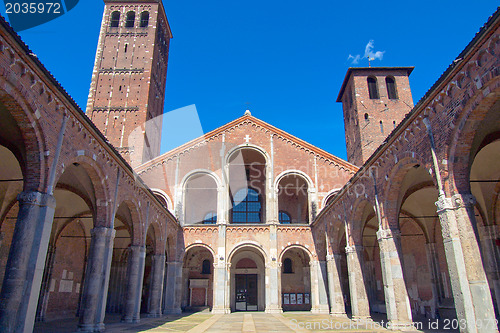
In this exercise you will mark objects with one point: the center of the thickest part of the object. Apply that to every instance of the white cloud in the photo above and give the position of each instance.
(369, 53)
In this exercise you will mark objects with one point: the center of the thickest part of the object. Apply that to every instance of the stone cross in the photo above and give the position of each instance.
(247, 138)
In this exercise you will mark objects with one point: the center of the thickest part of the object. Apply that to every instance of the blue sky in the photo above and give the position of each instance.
(287, 59)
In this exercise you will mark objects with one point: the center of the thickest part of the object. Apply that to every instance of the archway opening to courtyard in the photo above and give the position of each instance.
(371, 265)
(12, 178)
(146, 295)
(247, 186)
(118, 278)
(247, 280)
(67, 255)
(425, 270)
(197, 279)
(337, 244)
(200, 199)
(11, 185)
(295, 280)
(484, 182)
(293, 199)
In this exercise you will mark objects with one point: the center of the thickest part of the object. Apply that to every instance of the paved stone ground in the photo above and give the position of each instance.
(248, 322)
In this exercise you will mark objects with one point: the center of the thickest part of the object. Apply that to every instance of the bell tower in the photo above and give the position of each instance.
(127, 91)
(375, 100)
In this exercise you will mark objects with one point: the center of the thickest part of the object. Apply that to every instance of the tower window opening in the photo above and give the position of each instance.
(120, 88)
(394, 123)
(392, 92)
(130, 20)
(115, 19)
(381, 127)
(372, 88)
(366, 116)
(126, 47)
(144, 19)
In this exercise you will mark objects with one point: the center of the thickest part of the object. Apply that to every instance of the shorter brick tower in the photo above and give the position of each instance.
(375, 100)
(127, 91)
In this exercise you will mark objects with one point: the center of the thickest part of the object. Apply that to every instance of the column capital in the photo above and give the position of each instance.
(36, 198)
(464, 200)
(353, 248)
(444, 204)
(388, 233)
(102, 232)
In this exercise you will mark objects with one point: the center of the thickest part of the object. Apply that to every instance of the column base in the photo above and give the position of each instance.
(362, 318)
(339, 314)
(173, 311)
(90, 328)
(153, 315)
(320, 311)
(221, 310)
(273, 309)
(400, 326)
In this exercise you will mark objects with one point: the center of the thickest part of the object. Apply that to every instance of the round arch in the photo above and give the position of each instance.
(246, 146)
(296, 246)
(295, 172)
(164, 196)
(250, 244)
(206, 196)
(329, 195)
(193, 245)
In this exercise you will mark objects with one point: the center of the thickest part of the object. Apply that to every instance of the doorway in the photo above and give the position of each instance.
(246, 292)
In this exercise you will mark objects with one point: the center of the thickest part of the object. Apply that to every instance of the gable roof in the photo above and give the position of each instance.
(247, 118)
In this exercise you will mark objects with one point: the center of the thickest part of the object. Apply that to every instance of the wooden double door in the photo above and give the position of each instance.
(246, 292)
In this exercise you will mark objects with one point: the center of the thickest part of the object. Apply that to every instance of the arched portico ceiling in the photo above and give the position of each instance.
(247, 246)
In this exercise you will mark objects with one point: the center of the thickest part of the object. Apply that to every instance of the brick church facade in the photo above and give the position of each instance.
(93, 221)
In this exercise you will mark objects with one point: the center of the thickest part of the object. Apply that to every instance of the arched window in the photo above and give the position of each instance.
(205, 267)
(115, 19)
(130, 20)
(284, 217)
(144, 19)
(287, 266)
(366, 116)
(248, 206)
(392, 92)
(372, 87)
(210, 218)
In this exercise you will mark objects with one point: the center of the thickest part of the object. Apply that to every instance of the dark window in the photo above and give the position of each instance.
(284, 217)
(392, 93)
(144, 19)
(210, 218)
(126, 47)
(205, 267)
(130, 20)
(246, 206)
(372, 88)
(287, 266)
(115, 19)
(366, 116)
(381, 127)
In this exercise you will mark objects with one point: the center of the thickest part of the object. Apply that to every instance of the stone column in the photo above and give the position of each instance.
(272, 273)
(318, 287)
(219, 297)
(95, 289)
(337, 306)
(396, 297)
(359, 298)
(491, 256)
(156, 291)
(471, 293)
(220, 277)
(135, 274)
(173, 290)
(26, 261)
(430, 250)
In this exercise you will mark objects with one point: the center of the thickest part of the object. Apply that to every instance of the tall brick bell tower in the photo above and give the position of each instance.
(127, 91)
(375, 100)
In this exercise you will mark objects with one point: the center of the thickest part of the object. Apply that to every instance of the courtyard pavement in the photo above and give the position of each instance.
(248, 322)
